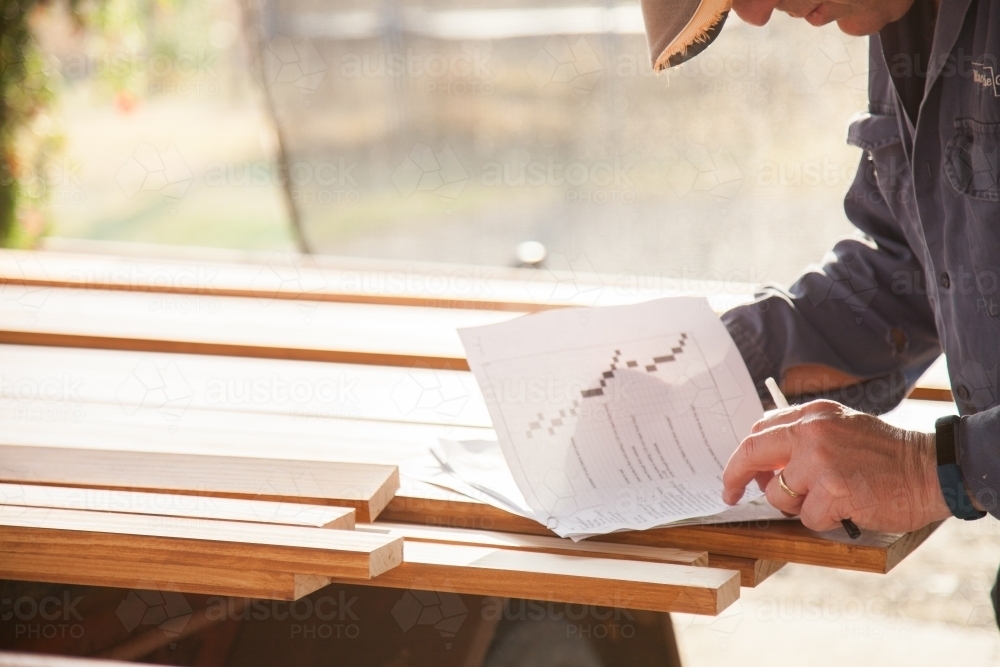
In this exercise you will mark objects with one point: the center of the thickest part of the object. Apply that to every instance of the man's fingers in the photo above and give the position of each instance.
(754, 12)
(776, 418)
(781, 500)
(788, 415)
(763, 479)
(761, 452)
(819, 510)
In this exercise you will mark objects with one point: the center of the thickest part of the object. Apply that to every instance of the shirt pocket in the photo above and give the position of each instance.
(971, 160)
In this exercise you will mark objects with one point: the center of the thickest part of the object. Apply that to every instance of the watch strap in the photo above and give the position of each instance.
(949, 473)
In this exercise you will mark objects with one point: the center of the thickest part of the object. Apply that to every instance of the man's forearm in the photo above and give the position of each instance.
(810, 379)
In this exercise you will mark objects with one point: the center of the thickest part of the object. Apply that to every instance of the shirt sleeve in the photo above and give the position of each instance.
(864, 312)
(977, 457)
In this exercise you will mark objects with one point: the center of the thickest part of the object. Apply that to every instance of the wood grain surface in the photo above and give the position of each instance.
(166, 505)
(565, 579)
(197, 542)
(124, 573)
(366, 488)
(538, 543)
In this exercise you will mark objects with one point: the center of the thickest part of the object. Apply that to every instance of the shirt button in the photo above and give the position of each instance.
(944, 280)
(962, 391)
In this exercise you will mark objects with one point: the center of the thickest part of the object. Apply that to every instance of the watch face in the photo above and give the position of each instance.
(946, 432)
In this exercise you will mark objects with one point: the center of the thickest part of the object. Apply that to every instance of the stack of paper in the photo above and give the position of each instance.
(608, 418)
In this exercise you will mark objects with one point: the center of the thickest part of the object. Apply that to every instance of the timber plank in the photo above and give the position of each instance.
(283, 276)
(171, 505)
(792, 542)
(536, 543)
(781, 541)
(197, 542)
(935, 383)
(365, 487)
(244, 327)
(123, 573)
(280, 276)
(39, 381)
(36, 376)
(564, 579)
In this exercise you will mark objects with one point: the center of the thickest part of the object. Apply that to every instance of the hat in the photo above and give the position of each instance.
(678, 30)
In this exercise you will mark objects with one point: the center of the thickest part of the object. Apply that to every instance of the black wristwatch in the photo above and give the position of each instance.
(949, 473)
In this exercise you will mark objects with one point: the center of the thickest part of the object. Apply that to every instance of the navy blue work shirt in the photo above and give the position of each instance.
(924, 275)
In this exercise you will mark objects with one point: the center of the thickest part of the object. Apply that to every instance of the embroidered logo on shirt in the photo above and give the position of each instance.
(984, 77)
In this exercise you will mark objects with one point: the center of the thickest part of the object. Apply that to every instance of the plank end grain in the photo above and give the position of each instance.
(752, 570)
(906, 543)
(386, 557)
(308, 583)
(382, 497)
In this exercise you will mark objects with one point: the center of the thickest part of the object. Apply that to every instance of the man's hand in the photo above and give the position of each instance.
(844, 465)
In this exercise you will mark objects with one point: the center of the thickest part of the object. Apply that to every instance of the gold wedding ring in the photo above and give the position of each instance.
(784, 487)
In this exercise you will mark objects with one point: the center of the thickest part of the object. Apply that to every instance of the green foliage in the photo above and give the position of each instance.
(25, 91)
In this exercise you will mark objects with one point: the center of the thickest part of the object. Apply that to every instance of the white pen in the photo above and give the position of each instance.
(779, 399)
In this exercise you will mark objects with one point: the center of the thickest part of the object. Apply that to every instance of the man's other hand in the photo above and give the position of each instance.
(842, 464)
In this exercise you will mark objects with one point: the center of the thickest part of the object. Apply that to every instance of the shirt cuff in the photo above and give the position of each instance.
(979, 457)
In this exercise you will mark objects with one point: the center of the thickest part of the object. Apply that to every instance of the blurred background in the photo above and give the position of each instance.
(438, 130)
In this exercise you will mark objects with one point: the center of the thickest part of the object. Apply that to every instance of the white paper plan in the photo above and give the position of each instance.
(619, 417)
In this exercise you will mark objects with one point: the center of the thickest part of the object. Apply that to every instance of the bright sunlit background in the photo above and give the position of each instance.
(452, 131)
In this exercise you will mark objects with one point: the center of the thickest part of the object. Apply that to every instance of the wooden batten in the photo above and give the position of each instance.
(172, 505)
(122, 573)
(463, 568)
(365, 487)
(195, 542)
